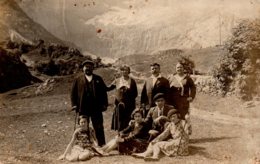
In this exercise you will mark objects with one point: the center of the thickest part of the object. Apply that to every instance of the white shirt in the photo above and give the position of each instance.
(155, 78)
(89, 78)
(160, 111)
(122, 82)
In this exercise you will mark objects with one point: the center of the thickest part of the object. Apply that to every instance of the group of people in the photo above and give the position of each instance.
(159, 125)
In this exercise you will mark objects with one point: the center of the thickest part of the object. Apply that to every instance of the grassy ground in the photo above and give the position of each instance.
(36, 129)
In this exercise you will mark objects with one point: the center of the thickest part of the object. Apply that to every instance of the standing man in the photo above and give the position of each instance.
(89, 98)
(153, 85)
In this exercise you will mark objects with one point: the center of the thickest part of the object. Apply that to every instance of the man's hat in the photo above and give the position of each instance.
(88, 62)
(158, 95)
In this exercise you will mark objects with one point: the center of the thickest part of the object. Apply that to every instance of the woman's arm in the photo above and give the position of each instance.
(134, 133)
(128, 128)
(192, 87)
(164, 134)
(71, 143)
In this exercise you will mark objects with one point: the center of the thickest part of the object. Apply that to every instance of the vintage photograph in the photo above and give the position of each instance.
(130, 81)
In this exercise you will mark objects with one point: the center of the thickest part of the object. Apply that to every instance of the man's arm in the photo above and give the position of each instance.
(74, 95)
(104, 94)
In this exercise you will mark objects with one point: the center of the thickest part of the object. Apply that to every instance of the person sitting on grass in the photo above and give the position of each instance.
(177, 144)
(132, 139)
(161, 109)
(160, 123)
(83, 143)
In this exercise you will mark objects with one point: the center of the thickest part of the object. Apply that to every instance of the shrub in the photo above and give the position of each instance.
(239, 70)
(187, 63)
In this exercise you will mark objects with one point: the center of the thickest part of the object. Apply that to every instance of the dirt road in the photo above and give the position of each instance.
(37, 130)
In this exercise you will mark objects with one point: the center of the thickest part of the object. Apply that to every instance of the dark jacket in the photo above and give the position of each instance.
(79, 92)
(153, 114)
(126, 96)
(149, 91)
(179, 93)
(132, 132)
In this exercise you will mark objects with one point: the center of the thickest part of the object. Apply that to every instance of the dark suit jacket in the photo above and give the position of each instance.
(99, 92)
(149, 91)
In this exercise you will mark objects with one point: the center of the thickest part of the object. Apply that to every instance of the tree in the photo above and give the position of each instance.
(239, 69)
(187, 63)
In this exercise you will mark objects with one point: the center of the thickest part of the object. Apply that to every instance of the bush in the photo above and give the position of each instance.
(187, 63)
(239, 70)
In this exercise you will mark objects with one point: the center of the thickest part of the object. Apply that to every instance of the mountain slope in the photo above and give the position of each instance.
(117, 28)
(16, 24)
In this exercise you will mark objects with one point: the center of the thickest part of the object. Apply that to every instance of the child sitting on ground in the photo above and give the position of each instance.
(132, 139)
(82, 144)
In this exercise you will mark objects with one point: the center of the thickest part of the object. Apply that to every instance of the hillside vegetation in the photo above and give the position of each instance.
(239, 69)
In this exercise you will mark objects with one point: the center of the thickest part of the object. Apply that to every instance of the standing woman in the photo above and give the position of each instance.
(182, 90)
(126, 93)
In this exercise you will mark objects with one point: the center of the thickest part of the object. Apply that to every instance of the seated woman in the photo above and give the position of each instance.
(132, 139)
(177, 144)
(82, 144)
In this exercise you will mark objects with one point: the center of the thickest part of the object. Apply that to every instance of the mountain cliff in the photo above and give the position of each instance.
(16, 25)
(116, 28)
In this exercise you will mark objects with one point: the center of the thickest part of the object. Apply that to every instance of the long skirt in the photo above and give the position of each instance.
(121, 117)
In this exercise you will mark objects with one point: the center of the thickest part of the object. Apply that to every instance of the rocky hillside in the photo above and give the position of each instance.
(204, 59)
(13, 73)
(15, 24)
(116, 28)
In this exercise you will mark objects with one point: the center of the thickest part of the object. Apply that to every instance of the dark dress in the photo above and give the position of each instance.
(180, 92)
(136, 139)
(124, 104)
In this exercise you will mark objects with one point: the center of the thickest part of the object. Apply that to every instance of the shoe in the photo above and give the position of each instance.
(139, 155)
(151, 159)
(101, 152)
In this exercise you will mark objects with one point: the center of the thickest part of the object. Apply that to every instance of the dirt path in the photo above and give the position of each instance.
(225, 119)
(37, 129)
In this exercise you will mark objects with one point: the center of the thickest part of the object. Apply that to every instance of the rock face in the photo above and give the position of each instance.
(13, 73)
(116, 28)
(16, 25)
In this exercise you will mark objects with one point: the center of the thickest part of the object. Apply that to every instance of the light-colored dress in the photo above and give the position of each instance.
(173, 140)
(84, 142)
